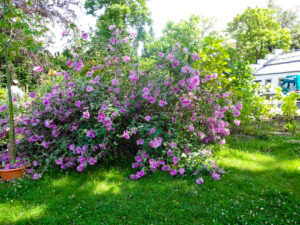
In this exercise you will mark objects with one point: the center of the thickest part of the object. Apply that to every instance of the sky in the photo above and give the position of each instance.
(176, 10)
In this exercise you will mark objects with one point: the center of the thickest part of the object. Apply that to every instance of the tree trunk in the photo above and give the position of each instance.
(12, 147)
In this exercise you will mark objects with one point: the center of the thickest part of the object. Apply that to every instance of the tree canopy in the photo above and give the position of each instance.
(257, 32)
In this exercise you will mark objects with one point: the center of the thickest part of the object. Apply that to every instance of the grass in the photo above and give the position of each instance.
(261, 186)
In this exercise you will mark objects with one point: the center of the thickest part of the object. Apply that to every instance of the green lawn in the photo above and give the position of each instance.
(261, 186)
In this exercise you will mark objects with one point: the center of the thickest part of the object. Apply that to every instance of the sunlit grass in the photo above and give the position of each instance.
(261, 186)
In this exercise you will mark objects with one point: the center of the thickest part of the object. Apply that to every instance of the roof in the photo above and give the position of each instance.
(285, 63)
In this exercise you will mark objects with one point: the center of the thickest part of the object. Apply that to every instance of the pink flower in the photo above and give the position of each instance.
(165, 168)
(140, 142)
(80, 167)
(236, 113)
(36, 176)
(115, 82)
(156, 142)
(32, 94)
(133, 177)
(223, 141)
(126, 59)
(181, 171)
(191, 128)
(91, 134)
(111, 27)
(237, 122)
(86, 115)
(162, 103)
(126, 134)
(38, 68)
(199, 180)
(59, 161)
(84, 36)
(170, 57)
(173, 172)
(63, 33)
(152, 131)
(89, 88)
(173, 145)
(92, 161)
(215, 176)
(45, 144)
(195, 56)
(147, 118)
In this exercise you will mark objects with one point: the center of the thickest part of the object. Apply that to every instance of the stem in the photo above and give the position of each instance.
(12, 147)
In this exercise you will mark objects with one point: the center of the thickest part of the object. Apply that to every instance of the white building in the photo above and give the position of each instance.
(272, 70)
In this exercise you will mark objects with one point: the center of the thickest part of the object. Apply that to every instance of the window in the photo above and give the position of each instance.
(268, 83)
(280, 81)
(257, 81)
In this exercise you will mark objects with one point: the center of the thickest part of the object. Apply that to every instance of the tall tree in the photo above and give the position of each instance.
(257, 33)
(125, 14)
(26, 23)
(288, 18)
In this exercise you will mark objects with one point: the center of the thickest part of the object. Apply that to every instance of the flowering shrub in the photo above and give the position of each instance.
(165, 115)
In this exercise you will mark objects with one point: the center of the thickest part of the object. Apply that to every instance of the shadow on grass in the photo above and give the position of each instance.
(104, 194)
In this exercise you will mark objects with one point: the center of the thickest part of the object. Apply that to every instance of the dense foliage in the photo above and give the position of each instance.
(165, 115)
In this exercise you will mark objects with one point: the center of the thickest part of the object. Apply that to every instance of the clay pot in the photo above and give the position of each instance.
(11, 173)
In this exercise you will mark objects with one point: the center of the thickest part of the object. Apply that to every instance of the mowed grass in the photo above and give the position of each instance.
(261, 186)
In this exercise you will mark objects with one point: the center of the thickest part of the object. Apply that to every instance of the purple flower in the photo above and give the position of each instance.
(63, 33)
(140, 141)
(126, 134)
(181, 171)
(173, 172)
(133, 177)
(138, 158)
(195, 56)
(90, 134)
(36, 176)
(173, 145)
(32, 94)
(55, 133)
(115, 82)
(199, 180)
(147, 118)
(152, 131)
(45, 144)
(92, 161)
(160, 54)
(126, 59)
(162, 103)
(215, 176)
(170, 57)
(35, 163)
(59, 161)
(80, 167)
(78, 104)
(86, 115)
(89, 88)
(79, 65)
(111, 27)
(140, 174)
(156, 142)
(84, 36)
(38, 68)
(135, 165)
(165, 168)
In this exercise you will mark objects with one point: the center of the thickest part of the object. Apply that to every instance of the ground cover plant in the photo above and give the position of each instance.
(259, 187)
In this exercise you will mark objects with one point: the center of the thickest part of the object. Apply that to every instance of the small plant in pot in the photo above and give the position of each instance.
(10, 171)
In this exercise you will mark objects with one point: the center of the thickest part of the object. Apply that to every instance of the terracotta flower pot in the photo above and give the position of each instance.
(11, 173)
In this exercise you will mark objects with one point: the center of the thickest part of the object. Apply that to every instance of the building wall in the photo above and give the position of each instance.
(273, 79)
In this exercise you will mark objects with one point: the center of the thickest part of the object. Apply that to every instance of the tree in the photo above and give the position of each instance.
(257, 33)
(125, 14)
(289, 19)
(26, 23)
(189, 33)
